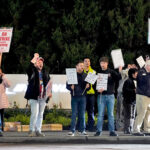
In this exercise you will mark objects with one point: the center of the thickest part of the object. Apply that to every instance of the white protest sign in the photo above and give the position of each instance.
(148, 30)
(102, 81)
(117, 58)
(71, 75)
(5, 39)
(91, 78)
(140, 61)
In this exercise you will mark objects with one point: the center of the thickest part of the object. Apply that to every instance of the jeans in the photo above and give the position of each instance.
(2, 119)
(90, 102)
(102, 102)
(78, 104)
(0, 124)
(37, 110)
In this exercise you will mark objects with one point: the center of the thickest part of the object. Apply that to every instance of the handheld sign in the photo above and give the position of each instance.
(117, 58)
(5, 39)
(140, 61)
(91, 78)
(102, 81)
(71, 75)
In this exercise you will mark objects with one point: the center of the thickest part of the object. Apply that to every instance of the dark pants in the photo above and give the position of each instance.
(78, 104)
(129, 117)
(2, 118)
(90, 103)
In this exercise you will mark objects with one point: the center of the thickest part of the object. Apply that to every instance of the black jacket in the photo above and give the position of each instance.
(143, 83)
(129, 93)
(80, 87)
(113, 78)
(32, 91)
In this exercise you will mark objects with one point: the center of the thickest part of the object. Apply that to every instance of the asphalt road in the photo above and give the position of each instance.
(74, 147)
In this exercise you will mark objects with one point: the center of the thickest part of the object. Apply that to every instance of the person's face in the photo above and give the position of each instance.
(80, 67)
(87, 62)
(135, 75)
(104, 65)
(39, 65)
(148, 68)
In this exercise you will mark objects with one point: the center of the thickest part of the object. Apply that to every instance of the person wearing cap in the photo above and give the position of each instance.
(106, 98)
(142, 99)
(37, 93)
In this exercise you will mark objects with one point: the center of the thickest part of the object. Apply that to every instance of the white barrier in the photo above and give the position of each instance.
(61, 96)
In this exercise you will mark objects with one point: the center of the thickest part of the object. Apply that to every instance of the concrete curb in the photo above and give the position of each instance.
(62, 138)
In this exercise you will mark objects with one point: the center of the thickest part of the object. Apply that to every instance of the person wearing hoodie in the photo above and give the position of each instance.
(106, 98)
(78, 100)
(129, 100)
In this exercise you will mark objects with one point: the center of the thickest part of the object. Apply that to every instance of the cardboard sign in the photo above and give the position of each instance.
(91, 78)
(117, 58)
(71, 75)
(140, 61)
(102, 81)
(5, 39)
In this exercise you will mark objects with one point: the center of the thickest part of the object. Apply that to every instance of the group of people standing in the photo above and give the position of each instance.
(133, 97)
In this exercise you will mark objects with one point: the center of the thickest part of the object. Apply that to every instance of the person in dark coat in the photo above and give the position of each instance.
(129, 101)
(78, 100)
(38, 81)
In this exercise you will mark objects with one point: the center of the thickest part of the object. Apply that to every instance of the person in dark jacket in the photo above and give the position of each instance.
(142, 99)
(78, 100)
(36, 93)
(129, 101)
(106, 97)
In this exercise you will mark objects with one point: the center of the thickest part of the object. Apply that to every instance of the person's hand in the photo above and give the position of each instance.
(36, 56)
(50, 95)
(2, 74)
(100, 90)
(72, 87)
(120, 68)
(87, 85)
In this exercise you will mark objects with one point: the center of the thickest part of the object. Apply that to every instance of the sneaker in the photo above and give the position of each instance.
(1, 133)
(31, 134)
(127, 132)
(40, 134)
(113, 134)
(146, 133)
(138, 134)
(84, 133)
(98, 133)
(71, 133)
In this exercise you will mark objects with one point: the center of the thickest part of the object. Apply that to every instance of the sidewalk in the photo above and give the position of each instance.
(63, 138)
